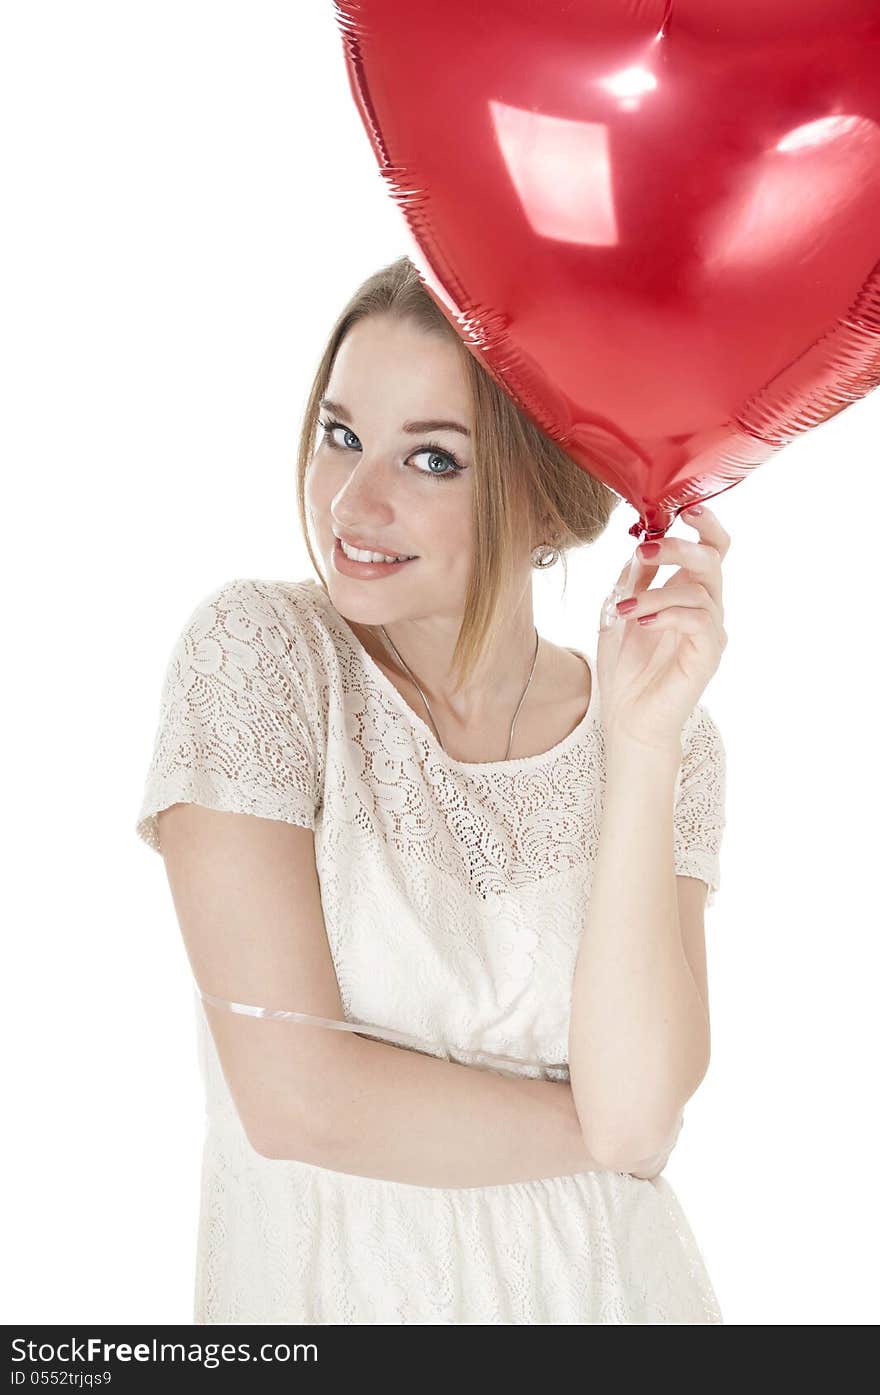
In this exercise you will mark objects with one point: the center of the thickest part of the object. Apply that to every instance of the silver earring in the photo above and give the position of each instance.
(544, 555)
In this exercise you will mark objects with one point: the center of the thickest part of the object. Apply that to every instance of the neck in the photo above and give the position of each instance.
(492, 691)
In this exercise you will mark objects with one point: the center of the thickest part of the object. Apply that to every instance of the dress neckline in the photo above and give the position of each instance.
(384, 684)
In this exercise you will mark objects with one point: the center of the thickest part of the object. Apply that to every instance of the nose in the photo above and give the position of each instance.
(362, 503)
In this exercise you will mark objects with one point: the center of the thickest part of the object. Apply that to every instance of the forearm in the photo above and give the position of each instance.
(639, 1033)
(402, 1116)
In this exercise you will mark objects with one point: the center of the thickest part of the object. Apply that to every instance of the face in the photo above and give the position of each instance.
(392, 472)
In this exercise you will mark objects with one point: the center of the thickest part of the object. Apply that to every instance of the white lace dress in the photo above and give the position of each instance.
(454, 896)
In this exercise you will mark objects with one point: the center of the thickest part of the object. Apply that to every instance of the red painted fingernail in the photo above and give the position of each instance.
(697, 509)
(649, 549)
(624, 606)
(646, 619)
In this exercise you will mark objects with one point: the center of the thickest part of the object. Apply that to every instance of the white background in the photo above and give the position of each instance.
(189, 199)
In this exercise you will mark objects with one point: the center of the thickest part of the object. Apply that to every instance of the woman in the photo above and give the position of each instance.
(427, 781)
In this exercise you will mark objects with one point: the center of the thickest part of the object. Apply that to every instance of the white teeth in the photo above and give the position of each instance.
(358, 555)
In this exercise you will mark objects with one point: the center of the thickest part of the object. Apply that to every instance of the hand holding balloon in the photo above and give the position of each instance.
(652, 674)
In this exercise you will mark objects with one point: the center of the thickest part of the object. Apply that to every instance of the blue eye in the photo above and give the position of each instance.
(430, 448)
(435, 452)
(328, 427)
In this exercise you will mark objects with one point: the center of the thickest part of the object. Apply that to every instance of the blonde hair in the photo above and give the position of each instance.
(524, 483)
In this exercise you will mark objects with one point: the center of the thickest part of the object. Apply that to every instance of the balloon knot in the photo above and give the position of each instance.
(646, 534)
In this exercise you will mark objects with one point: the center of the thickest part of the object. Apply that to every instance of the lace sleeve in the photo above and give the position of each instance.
(236, 717)
(699, 816)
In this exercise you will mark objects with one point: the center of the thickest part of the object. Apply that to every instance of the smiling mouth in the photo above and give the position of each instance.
(347, 548)
(355, 567)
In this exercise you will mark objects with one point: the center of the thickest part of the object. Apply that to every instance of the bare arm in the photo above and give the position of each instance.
(247, 898)
(414, 1118)
(639, 1033)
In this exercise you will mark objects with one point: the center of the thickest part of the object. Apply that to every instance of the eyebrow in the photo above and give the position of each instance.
(412, 427)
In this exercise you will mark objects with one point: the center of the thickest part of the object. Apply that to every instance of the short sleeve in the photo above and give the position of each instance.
(237, 728)
(699, 811)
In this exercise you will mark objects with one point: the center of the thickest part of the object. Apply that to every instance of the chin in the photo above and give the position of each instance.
(349, 599)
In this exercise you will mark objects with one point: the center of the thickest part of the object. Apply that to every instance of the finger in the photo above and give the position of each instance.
(636, 572)
(708, 526)
(634, 576)
(692, 594)
(684, 619)
(698, 559)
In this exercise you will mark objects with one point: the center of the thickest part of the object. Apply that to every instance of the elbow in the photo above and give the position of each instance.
(309, 1119)
(309, 1133)
(641, 1141)
(273, 1137)
(644, 1155)
(637, 1162)
(646, 1166)
(289, 1140)
(259, 1144)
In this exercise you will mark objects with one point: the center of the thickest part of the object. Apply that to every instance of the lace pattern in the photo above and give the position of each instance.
(454, 895)
(234, 723)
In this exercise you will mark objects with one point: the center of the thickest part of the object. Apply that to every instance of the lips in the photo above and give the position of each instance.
(373, 547)
(365, 571)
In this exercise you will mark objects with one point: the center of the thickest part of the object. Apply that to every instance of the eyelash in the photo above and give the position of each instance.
(328, 427)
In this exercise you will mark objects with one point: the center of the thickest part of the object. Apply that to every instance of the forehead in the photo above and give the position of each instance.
(393, 367)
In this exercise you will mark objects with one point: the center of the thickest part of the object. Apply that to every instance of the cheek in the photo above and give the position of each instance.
(442, 519)
(320, 487)
(454, 508)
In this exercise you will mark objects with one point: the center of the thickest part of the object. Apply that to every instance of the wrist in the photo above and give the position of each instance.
(625, 748)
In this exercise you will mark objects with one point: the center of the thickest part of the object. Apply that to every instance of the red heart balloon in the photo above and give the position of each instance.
(655, 222)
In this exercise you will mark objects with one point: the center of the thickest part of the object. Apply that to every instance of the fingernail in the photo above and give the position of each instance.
(696, 509)
(649, 549)
(609, 616)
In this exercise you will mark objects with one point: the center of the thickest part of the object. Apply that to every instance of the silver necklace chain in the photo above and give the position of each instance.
(427, 704)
